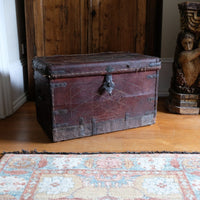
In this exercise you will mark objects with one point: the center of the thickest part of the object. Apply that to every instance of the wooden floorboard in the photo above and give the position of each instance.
(171, 132)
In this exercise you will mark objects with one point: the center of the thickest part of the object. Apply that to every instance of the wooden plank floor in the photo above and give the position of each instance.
(170, 133)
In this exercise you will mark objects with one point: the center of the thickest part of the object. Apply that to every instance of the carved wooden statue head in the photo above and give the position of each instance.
(187, 41)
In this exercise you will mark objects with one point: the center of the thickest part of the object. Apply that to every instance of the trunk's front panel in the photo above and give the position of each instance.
(81, 107)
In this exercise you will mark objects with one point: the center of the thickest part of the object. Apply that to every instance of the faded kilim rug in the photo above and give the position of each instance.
(100, 176)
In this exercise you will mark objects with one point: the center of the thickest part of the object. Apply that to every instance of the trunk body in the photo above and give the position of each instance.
(85, 95)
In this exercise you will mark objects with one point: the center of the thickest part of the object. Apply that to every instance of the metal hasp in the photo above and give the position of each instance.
(108, 84)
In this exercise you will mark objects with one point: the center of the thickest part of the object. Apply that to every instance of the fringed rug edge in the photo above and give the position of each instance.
(90, 153)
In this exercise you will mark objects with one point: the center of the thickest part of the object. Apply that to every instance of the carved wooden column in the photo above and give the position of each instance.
(185, 83)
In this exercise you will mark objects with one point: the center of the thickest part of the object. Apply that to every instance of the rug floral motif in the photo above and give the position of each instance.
(100, 176)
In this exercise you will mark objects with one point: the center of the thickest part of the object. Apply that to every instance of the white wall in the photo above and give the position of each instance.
(11, 61)
(170, 30)
(16, 68)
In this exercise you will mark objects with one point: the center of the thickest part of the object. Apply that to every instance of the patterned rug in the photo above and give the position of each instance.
(100, 176)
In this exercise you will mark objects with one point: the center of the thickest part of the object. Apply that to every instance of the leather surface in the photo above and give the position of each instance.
(72, 107)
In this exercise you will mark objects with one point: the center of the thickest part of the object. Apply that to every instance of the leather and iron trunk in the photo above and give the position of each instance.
(90, 94)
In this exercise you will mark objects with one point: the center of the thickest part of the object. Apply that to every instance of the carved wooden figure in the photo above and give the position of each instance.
(185, 83)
